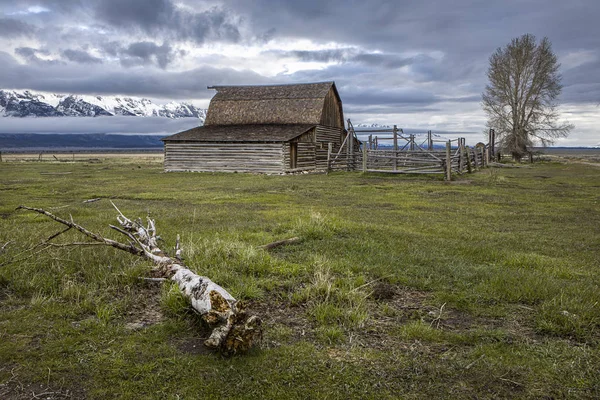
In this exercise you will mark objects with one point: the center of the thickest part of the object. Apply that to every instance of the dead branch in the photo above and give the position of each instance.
(76, 244)
(278, 243)
(91, 200)
(5, 245)
(233, 329)
(56, 235)
(154, 279)
(94, 236)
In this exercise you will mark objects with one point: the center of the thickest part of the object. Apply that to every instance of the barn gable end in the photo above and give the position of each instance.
(332, 114)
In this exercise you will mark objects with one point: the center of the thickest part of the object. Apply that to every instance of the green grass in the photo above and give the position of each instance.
(405, 287)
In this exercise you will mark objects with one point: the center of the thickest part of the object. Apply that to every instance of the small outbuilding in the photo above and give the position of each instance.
(265, 129)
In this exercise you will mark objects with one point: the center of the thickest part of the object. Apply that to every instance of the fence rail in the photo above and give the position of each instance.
(406, 156)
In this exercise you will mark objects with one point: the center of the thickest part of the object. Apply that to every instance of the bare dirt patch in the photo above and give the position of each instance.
(192, 346)
(14, 389)
(146, 312)
(283, 315)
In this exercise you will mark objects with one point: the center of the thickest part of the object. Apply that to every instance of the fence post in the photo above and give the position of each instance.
(395, 164)
(482, 157)
(412, 142)
(364, 157)
(448, 161)
(348, 147)
(492, 143)
(329, 150)
(429, 141)
(461, 155)
(370, 141)
(468, 154)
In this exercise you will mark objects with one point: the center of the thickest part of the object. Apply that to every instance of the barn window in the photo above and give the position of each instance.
(293, 155)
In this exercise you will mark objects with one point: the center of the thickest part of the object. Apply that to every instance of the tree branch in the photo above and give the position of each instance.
(233, 330)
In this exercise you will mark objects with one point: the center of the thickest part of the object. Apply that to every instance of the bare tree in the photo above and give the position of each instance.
(521, 96)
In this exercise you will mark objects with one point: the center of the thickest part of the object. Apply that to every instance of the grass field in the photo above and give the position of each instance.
(402, 287)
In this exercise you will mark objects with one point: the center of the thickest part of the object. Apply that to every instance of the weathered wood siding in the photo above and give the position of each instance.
(332, 110)
(326, 134)
(311, 154)
(305, 154)
(225, 157)
(305, 157)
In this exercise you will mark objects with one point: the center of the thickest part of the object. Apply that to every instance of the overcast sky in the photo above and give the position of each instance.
(415, 64)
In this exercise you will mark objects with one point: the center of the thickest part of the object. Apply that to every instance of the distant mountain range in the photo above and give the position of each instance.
(26, 103)
(76, 142)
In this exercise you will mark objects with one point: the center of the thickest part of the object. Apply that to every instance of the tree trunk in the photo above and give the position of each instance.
(233, 329)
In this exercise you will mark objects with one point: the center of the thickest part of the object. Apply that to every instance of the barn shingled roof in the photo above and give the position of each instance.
(241, 133)
(272, 104)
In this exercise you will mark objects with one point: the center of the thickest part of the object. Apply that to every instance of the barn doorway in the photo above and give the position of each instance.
(293, 155)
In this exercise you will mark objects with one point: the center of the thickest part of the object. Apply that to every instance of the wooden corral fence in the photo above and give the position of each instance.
(348, 156)
(406, 156)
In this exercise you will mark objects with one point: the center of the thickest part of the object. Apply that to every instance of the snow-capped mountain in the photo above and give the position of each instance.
(31, 104)
(371, 126)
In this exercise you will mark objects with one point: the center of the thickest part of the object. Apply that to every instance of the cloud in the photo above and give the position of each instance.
(26, 52)
(32, 55)
(80, 56)
(12, 28)
(392, 61)
(142, 53)
(163, 17)
(149, 15)
(347, 55)
(99, 79)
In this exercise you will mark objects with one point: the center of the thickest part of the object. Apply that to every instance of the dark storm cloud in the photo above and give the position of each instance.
(31, 55)
(387, 56)
(162, 16)
(383, 60)
(395, 96)
(66, 6)
(149, 15)
(143, 53)
(111, 48)
(98, 79)
(336, 55)
(81, 56)
(12, 28)
(465, 31)
(27, 52)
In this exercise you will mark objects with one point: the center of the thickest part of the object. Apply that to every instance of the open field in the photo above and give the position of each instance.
(485, 287)
(68, 157)
(591, 156)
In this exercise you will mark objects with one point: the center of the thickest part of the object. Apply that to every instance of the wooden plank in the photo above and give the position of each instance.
(448, 161)
(405, 172)
(364, 160)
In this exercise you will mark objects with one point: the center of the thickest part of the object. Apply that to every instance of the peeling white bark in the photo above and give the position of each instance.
(233, 330)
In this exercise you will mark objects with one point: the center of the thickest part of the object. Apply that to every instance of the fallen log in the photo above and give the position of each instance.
(233, 329)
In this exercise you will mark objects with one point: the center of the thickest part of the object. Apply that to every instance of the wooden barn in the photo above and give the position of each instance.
(265, 129)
